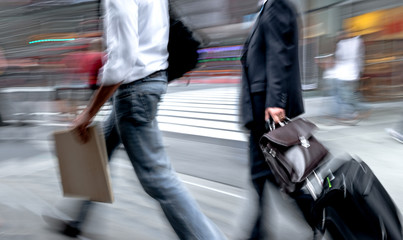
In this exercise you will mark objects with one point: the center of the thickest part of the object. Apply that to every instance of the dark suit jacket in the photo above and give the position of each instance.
(271, 64)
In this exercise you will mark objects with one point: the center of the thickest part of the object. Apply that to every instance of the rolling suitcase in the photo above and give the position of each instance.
(354, 205)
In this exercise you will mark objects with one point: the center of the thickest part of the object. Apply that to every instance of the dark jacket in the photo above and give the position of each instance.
(270, 62)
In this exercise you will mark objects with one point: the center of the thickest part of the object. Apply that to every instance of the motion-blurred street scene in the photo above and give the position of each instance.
(51, 50)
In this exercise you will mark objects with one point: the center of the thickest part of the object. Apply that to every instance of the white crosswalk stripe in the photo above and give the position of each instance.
(208, 112)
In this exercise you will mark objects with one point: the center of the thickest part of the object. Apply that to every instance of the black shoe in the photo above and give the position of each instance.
(70, 231)
(67, 228)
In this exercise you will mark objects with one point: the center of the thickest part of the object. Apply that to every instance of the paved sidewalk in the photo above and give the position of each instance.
(29, 185)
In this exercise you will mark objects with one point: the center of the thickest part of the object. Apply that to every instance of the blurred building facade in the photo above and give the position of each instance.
(223, 26)
(34, 35)
(378, 22)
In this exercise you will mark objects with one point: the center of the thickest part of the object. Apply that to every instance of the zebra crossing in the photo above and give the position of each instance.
(214, 113)
(209, 113)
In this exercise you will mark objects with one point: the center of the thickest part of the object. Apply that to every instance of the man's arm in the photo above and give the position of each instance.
(82, 121)
(122, 45)
(279, 35)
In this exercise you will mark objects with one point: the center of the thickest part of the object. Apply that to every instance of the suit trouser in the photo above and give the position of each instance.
(260, 171)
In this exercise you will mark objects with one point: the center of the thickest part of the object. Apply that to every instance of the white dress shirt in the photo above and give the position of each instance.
(349, 59)
(136, 33)
(329, 73)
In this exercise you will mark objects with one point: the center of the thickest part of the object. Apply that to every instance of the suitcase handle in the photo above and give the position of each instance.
(311, 189)
(320, 181)
(310, 186)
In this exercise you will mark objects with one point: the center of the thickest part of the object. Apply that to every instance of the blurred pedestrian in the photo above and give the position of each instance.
(348, 68)
(92, 62)
(329, 86)
(271, 85)
(84, 65)
(3, 67)
(81, 69)
(136, 38)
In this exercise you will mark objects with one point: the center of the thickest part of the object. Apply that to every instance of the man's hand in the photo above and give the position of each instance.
(80, 125)
(82, 121)
(278, 114)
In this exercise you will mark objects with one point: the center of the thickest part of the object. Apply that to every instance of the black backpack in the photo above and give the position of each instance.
(182, 48)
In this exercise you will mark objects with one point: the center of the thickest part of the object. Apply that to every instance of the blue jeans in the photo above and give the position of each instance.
(348, 100)
(132, 122)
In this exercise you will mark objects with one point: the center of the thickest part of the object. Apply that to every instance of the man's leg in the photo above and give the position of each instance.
(260, 174)
(258, 184)
(112, 141)
(334, 107)
(142, 139)
(357, 98)
(259, 169)
(346, 93)
(338, 96)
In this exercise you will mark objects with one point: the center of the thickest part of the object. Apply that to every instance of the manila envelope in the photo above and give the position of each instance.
(84, 170)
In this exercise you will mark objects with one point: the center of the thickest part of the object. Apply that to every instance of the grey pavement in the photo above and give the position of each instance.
(30, 187)
(215, 171)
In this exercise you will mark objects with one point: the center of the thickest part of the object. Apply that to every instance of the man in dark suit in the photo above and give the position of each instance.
(271, 86)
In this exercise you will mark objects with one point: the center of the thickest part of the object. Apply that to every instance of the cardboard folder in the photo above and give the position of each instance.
(84, 170)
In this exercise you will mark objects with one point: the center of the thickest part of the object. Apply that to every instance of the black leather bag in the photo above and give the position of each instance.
(292, 152)
(182, 47)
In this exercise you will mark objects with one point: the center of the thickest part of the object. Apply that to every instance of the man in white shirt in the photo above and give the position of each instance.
(348, 68)
(134, 74)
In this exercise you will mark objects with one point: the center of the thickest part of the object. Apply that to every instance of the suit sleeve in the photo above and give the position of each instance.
(279, 33)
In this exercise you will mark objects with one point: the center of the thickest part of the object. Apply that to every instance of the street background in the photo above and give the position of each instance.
(42, 89)
(208, 151)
